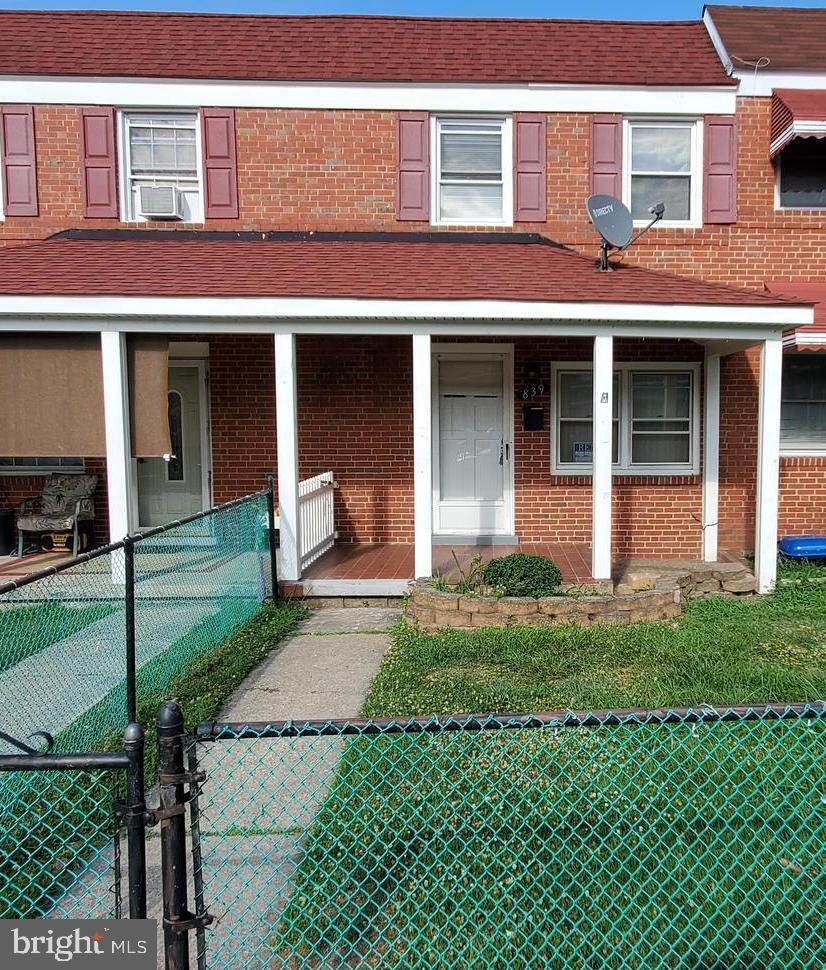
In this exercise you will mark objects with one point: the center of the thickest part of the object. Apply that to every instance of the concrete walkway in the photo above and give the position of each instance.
(261, 797)
(323, 671)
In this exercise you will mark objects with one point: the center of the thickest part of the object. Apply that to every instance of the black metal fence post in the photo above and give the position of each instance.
(273, 532)
(171, 778)
(131, 671)
(135, 814)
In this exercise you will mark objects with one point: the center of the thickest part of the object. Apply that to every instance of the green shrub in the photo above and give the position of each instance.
(523, 575)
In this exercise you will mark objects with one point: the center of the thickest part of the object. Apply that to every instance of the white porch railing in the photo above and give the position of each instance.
(315, 510)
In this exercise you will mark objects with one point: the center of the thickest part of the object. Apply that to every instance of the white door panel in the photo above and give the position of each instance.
(472, 470)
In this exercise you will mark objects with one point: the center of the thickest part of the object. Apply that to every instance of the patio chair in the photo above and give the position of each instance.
(66, 505)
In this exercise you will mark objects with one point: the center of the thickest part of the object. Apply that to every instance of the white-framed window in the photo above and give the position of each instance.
(471, 171)
(656, 412)
(662, 162)
(801, 175)
(161, 149)
(803, 404)
(40, 466)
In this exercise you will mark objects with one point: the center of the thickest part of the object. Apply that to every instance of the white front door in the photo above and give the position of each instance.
(174, 489)
(473, 453)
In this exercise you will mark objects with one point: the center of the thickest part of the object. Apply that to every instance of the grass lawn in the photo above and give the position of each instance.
(721, 651)
(26, 630)
(801, 569)
(625, 846)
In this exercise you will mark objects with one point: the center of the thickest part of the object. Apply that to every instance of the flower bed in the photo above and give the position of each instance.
(432, 609)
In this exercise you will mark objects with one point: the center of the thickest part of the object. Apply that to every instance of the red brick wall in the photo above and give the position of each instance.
(355, 408)
(336, 170)
(242, 414)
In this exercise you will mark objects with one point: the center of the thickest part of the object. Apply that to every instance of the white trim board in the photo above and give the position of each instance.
(761, 83)
(337, 309)
(126, 92)
(354, 587)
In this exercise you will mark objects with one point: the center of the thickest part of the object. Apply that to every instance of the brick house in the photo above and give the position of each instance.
(370, 255)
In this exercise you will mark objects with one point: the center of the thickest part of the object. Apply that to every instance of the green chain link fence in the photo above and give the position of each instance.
(64, 670)
(63, 636)
(60, 845)
(637, 839)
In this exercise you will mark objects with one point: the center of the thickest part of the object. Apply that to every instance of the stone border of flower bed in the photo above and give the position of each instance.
(433, 609)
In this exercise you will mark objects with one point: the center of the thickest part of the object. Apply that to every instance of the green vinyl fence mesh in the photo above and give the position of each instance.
(63, 670)
(63, 637)
(641, 840)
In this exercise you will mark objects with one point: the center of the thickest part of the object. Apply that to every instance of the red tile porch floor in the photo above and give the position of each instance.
(356, 560)
(385, 569)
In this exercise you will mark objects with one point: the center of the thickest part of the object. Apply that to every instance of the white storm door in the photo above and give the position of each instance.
(169, 490)
(472, 451)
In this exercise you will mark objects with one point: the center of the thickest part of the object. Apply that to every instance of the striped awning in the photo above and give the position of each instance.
(796, 114)
(812, 336)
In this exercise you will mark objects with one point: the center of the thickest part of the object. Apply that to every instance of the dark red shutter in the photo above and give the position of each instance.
(413, 181)
(220, 167)
(529, 166)
(720, 169)
(19, 161)
(606, 155)
(100, 176)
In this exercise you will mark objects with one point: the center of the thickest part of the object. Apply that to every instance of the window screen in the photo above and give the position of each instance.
(470, 171)
(576, 409)
(661, 163)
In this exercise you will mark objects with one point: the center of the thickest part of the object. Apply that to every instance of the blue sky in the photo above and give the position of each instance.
(606, 9)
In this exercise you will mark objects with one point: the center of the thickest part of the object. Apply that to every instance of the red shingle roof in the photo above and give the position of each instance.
(809, 291)
(792, 38)
(349, 265)
(356, 48)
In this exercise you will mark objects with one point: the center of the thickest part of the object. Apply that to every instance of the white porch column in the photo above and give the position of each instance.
(601, 454)
(116, 424)
(422, 458)
(768, 465)
(286, 426)
(711, 457)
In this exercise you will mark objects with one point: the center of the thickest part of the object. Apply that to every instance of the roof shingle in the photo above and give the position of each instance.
(356, 48)
(346, 265)
(792, 38)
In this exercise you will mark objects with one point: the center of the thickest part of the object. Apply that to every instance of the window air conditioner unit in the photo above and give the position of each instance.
(161, 202)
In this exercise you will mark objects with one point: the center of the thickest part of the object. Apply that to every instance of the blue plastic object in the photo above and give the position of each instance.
(803, 547)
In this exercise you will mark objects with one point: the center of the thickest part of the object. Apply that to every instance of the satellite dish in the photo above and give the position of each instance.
(613, 222)
(611, 219)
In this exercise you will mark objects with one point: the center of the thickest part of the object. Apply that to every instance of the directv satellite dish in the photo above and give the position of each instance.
(611, 219)
(613, 222)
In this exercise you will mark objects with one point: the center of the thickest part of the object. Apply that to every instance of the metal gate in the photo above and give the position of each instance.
(616, 838)
(66, 821)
